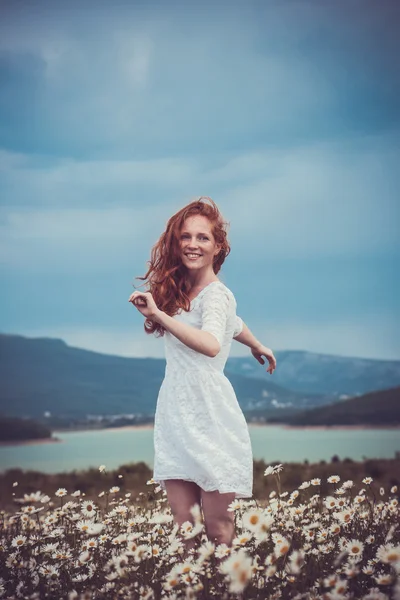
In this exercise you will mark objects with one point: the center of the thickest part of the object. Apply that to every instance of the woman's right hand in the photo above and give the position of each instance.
(145, 304)
(260, 351)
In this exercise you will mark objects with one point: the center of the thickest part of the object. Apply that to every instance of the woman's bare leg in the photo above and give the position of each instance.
(219, 522)
(182, 495)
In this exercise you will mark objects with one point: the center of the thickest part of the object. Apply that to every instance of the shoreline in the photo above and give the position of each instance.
(325, 427)
(148, 426)
(51, 440)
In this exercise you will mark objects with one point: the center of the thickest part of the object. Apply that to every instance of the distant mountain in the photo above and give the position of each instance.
(374, 408)
(309, 372)
(41, 375)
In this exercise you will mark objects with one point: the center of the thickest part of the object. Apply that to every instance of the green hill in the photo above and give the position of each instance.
(46, 375)
(12, 429)
(374, 408)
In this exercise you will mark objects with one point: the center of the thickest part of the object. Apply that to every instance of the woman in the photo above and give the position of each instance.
(202, 445)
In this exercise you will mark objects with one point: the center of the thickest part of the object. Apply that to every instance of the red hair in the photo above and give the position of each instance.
(167, 276)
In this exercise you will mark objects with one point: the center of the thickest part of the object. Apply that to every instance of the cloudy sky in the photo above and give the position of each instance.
(115, 115)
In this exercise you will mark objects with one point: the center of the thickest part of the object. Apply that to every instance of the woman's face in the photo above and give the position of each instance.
(196, 238)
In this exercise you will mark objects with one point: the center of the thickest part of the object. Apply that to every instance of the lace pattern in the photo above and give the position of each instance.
(200, 433)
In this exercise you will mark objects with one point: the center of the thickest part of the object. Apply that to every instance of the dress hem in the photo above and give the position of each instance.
(238, 493)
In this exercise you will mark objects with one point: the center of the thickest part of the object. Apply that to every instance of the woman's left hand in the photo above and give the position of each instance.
(145, 304)
(267, 352)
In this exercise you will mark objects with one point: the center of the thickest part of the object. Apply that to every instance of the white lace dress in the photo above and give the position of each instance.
(200, 433)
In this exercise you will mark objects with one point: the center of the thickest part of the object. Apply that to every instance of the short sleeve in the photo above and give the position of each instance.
(238, 326)
(214, 313)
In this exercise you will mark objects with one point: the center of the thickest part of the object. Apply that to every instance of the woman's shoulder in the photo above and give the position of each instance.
(218, 287)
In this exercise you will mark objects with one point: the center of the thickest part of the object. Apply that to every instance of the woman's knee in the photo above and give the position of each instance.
(219, 521)
(182, 495)
(220, 529)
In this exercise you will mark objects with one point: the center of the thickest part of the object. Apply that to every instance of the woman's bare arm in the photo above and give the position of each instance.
(257, 349)
(201, 341)
(247, 338)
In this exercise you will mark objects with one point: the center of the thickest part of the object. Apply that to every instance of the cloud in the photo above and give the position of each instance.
(151, 83)
(321, 199)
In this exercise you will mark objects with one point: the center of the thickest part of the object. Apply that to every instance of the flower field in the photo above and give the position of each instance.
(295, 544)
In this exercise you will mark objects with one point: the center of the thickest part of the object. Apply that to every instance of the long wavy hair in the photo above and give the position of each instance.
(167, 278)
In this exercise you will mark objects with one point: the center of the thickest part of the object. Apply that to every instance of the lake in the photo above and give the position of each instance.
(114, 447)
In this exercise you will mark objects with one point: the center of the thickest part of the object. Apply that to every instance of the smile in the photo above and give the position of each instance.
(193, 256)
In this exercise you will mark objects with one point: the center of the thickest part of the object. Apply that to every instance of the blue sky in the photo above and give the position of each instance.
(115, 115)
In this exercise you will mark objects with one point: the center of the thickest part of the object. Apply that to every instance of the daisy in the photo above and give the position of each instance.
(95, 528)
(334, 529)
(34, 496)
(368, 570)
(304, 485)
(390, 533)
(195, 511)
(315, 481)
(120, 510)
(252, 518)
(222, 550)
(186, 529)
(281, 547)
(375, 594)
(367, 480)
(238, 567)
(330, 502)
(102, 468)
(296, 562)
(333, 479)
(358, 499)
(241, 540)
(88, 508)
(142, 552)
(171, 582)
(206, 550)
(330, 581)
(340, 587)
(120, 539)
(351, 571)
(234, 505)
(114, 489)
(83, 525)
(50, 547)
(345, 516)
(348, 484)
(341, 502)
(18, 541)
(270, 571)
(355, 548)
(383, 578)
(156, 550)
(388, 554)
(61, 492)
(241, 577)
(84, 557)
